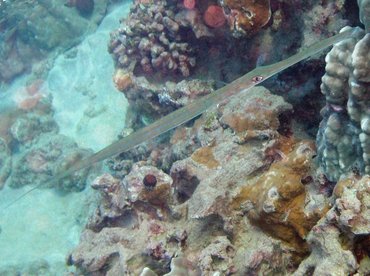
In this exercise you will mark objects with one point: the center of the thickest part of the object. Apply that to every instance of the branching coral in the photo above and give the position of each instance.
(151, 40)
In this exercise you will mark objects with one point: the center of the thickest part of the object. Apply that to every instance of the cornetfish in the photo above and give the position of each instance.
(190, 111)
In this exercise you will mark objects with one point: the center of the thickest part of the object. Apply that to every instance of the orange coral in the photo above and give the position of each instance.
(214, 16)
(276, 201)
(122, 80)
(28, 97)
(248, 16)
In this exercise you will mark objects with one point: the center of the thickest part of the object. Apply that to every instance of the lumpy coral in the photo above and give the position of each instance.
(344, 136)
(364, 6)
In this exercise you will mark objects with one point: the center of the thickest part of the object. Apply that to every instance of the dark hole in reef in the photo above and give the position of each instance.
(85, 7)
(140, 261)
(185, 186)
(351, 13)
(213, 224)
(112, 259)
(216, 259)
(127, 219)
(362, 247)
(285, 120)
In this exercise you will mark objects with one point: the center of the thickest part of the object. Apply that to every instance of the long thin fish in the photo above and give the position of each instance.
(195, 108)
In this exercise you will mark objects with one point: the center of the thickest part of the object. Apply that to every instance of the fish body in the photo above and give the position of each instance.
(190, 111)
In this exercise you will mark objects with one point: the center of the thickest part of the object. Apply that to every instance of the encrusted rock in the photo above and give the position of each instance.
(349, 217)
(353, 204)
(247, 16)
(112, 204)
(46, 158)
(150, 100)
(138, 189)
(328, 257)
(217, 257)
(277, 201)
(29, 127)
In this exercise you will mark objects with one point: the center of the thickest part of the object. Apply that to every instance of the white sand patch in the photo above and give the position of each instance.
(88, 108)
(44, 225)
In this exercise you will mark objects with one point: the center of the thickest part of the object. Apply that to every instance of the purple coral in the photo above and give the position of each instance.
(151, 40)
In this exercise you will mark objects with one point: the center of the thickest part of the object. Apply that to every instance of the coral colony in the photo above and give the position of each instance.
(237, 184)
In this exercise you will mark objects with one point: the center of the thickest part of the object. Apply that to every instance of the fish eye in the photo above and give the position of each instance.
(257, 78)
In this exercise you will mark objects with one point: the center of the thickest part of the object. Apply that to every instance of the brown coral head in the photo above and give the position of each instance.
(150, 181)
(248, 16)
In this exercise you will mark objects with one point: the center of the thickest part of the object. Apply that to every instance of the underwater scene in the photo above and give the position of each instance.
(184, 137)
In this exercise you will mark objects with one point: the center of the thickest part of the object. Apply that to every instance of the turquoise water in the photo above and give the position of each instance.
(38, 232)
(242, 179)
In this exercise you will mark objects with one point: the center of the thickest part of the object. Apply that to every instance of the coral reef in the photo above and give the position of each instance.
(24, 39)
(28, 127)
(214, 16)
(352, 210)
(323, 20)
(46, 158)
(247, 16)
(364, 6)
(29, 96)
(152, 40)
(337, 236)
(235, 191)
(149, 101)
(188, 210)
(277, 201)
(343, 138)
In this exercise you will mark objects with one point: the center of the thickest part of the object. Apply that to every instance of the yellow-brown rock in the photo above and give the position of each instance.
(205, 157)
(248, 16)
(276, 200)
